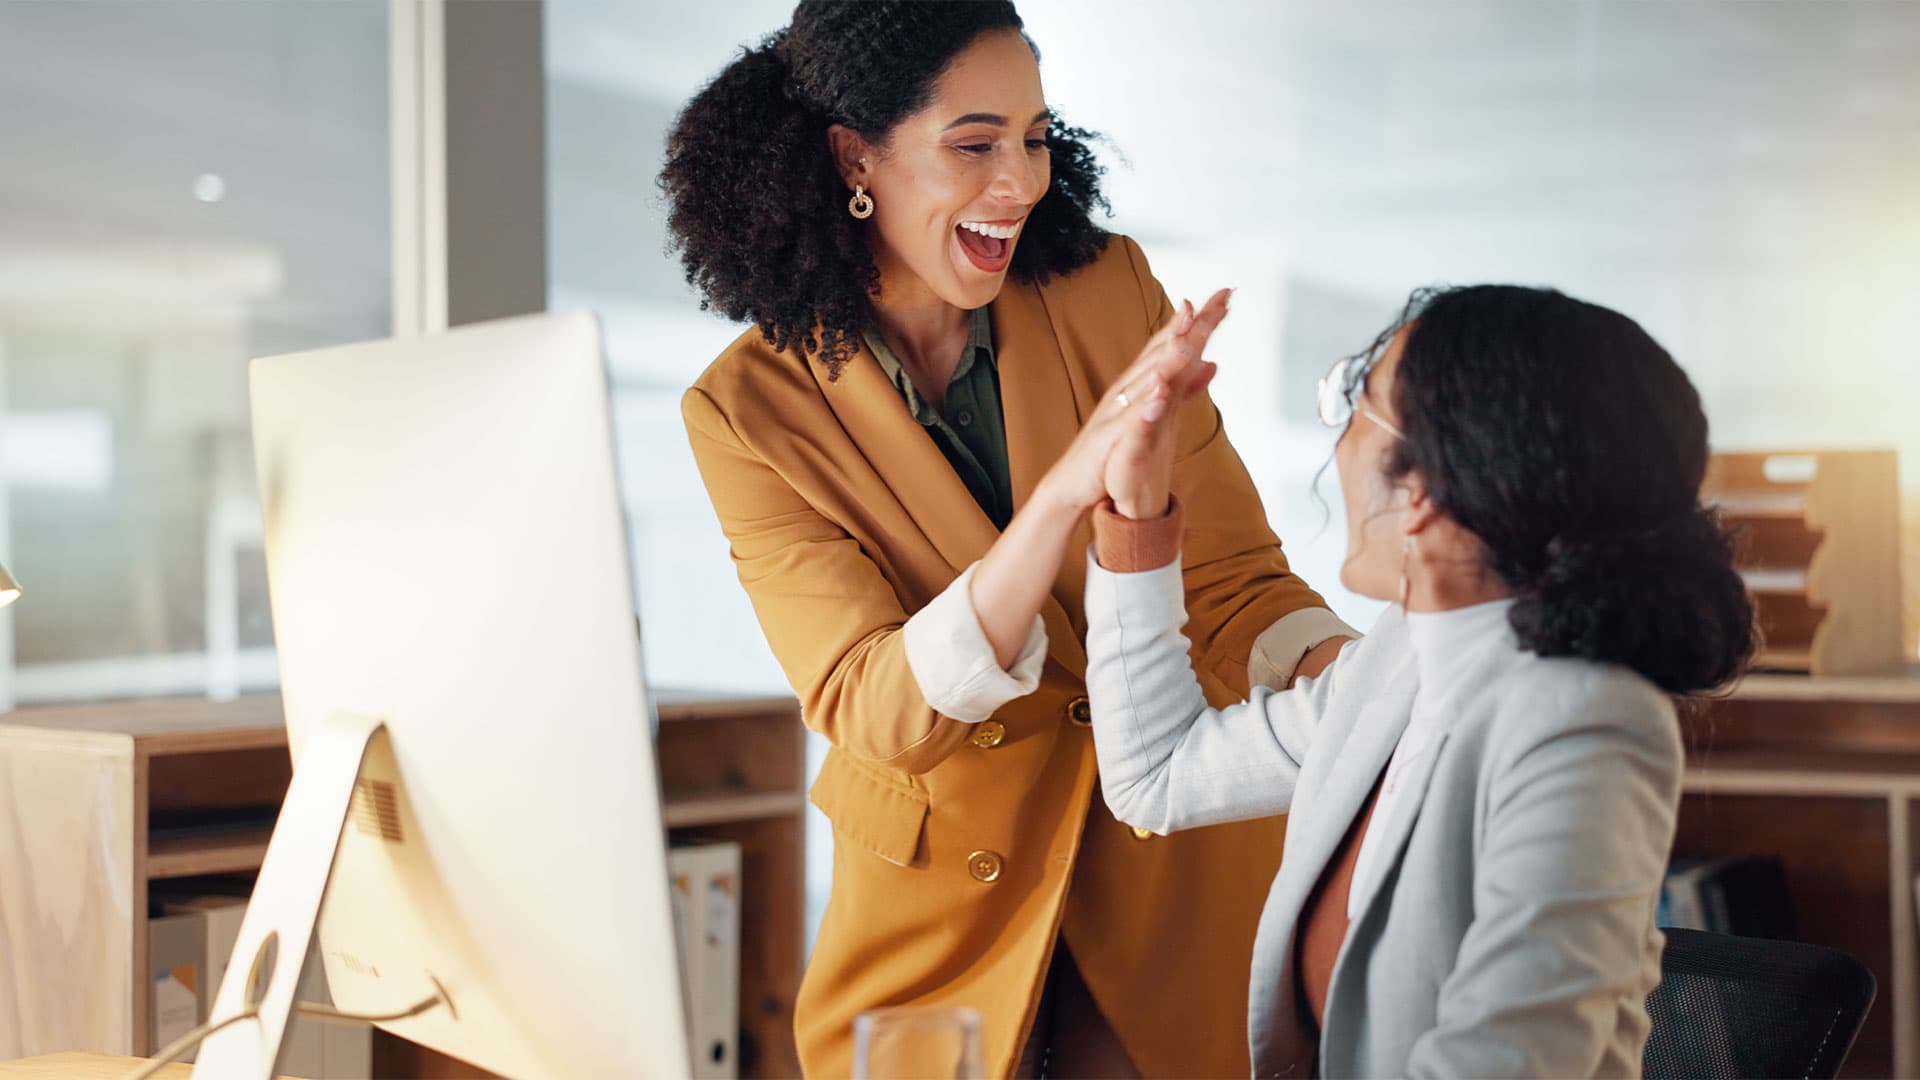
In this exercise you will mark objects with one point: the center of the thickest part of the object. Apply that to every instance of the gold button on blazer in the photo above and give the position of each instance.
(960, 861)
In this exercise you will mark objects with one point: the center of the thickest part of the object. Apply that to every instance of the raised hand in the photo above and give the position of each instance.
(1139, 472)
(1013, 578)
(1167, 372)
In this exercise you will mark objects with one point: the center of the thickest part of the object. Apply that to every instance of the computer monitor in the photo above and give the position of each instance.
(447, 562)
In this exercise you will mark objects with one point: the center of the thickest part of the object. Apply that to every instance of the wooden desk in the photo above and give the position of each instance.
(80, 1066)
(81, 786)
(75, 1065)
(1824, 773)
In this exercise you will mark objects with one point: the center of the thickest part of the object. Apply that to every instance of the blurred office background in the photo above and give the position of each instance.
(186, 184)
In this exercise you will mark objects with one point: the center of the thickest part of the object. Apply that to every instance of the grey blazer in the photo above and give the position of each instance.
(1512, 931)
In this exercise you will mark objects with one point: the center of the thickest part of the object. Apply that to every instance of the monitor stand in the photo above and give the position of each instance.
(277, 929)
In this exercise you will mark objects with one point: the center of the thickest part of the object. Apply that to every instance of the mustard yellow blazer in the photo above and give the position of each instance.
(962, 853)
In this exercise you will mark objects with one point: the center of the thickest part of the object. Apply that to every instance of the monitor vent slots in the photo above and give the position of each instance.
(376, 810)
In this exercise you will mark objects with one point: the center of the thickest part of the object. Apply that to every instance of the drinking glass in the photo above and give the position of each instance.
(917, 1042)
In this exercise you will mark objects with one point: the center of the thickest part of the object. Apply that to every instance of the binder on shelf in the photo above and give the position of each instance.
(1742, 895)
(1916, 898)
(706, 909)
(176, 947)
(313, 1050)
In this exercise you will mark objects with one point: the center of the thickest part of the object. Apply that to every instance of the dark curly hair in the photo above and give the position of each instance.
(1565, 438)
(757, 207)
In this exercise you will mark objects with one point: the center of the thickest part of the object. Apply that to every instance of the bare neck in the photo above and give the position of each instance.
(924, 331)
(1450, 582)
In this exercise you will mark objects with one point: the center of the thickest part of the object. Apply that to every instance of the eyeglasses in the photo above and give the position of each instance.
(1340, 390)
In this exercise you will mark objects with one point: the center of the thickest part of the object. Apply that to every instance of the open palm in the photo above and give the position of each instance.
(1139, 470)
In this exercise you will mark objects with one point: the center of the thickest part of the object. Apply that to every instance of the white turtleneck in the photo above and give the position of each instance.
(1451, 649)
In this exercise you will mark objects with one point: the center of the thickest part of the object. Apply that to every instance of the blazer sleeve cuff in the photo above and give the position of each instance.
(1126, 546)
(1278, 649)
(954, 664)
(1147, 601)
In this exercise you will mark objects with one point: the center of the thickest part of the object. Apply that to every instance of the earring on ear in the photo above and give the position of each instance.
(861, 205)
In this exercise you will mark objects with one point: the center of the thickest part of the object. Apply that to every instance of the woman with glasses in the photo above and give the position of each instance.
(882, 189)
(1483, 790)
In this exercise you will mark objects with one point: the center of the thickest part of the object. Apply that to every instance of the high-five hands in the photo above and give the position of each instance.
(1126, 447)
(1125, 450)
(1139, 472)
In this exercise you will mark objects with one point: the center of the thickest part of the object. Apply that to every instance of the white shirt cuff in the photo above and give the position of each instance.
(1278, 649)
(953, 661)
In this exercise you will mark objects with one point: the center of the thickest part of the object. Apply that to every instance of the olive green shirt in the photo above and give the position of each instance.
(969, 427)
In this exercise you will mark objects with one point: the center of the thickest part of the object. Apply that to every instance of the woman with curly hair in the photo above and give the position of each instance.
(882, 190)
(1484, 790)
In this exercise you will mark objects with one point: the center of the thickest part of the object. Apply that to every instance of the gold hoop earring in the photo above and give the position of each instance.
(861, 205)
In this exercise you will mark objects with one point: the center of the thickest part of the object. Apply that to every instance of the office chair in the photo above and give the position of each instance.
(1733, 1007)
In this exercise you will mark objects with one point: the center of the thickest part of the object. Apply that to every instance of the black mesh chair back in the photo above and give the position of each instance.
(1733, 1007)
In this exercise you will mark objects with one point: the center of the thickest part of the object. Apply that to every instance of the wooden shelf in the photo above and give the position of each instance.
(1785, 659)
(720, 806)
(1761, 507)
(1823, 773)
(678, 703)
(164, 726)
(1819, 548)
(240, 851)
(1897, 686)
(1847, 865)
(1769, 772)
(218, 853)
(1775, 581)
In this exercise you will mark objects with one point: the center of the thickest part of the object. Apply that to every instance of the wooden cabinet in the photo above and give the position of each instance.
(736, 770)
(100, 802)
(1824, 774)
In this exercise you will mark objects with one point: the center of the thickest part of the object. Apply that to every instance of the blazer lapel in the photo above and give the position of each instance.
(1356, 768)
(1416, 773)
(1278, 1042)
(1391, 830)
(1042, 416)
(1036, 393)
(906, 459)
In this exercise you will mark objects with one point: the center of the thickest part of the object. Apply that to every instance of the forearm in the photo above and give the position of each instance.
(1167, 760)
(1015, 576)
(1318, 657)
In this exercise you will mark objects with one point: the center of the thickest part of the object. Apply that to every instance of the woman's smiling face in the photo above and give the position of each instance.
(954, 183)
